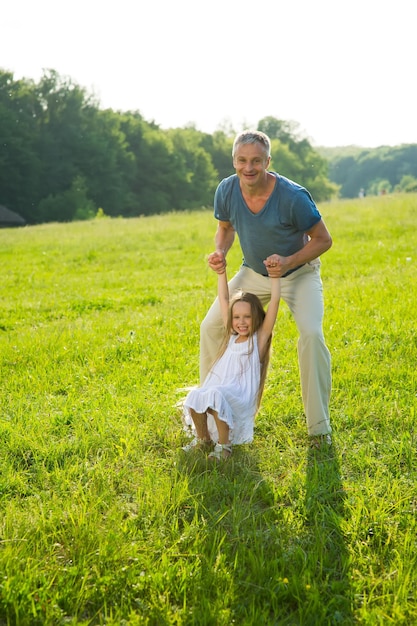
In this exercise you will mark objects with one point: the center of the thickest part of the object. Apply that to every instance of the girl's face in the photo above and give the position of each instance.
(242, 319)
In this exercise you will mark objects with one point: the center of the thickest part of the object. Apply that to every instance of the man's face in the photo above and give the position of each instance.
(250, 162)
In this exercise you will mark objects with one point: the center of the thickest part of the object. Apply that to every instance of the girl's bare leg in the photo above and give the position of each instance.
(224, 433)
(200, 423)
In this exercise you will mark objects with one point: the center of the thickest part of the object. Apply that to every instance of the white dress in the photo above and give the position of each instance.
(230, 388)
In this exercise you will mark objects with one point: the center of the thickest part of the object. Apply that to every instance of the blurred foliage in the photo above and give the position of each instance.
(62, 156)
(362, 171)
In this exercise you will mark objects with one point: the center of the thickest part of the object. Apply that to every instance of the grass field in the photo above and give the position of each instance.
(102, 518)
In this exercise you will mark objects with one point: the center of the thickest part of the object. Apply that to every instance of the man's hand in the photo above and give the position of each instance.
(217, 261)
(277, 265)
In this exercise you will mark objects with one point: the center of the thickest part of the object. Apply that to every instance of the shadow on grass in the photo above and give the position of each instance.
(260, 553)
(326, 546)
(236, 543)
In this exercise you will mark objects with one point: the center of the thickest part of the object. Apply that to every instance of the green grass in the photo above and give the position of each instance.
(103, 520)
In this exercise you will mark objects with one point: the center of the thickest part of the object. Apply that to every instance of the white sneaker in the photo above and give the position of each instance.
(221, 452)
(198, 444)
(318, 441)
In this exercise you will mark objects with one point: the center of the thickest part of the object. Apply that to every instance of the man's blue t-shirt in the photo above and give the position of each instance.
(279, 228)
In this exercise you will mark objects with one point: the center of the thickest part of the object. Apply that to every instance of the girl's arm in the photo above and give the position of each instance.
(223, 295)
(267, 327)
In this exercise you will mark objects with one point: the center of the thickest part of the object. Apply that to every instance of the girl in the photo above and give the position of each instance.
(223, 409)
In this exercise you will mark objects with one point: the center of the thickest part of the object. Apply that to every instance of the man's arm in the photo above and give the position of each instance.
(224, 238)
(319, 242)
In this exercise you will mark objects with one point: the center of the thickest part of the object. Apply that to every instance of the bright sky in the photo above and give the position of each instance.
(344, 71)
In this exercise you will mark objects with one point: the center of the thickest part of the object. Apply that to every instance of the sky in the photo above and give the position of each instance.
(344, 72)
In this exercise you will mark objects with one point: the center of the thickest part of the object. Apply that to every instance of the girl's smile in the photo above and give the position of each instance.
(242, 320)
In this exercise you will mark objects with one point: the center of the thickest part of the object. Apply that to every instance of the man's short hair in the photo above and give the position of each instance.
(252, 136)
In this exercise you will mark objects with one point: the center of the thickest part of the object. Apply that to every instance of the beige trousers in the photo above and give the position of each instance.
(303, 292)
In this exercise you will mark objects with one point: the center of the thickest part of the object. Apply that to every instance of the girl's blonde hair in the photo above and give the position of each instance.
(258, 316)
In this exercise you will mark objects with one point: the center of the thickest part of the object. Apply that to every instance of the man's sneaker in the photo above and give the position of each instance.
(320, 441)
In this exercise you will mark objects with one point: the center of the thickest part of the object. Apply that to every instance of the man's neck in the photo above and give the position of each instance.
(264, 187)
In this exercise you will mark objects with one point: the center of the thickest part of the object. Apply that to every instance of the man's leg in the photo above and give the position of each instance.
(302, 291)
(212, 328)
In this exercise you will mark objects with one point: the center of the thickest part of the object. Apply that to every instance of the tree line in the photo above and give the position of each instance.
(62, 157)
(364, 171)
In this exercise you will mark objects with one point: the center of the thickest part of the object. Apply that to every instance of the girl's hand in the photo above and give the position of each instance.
(217, 261)
(277, 265)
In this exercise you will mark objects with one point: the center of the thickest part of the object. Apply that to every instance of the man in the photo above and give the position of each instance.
(281, 234)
